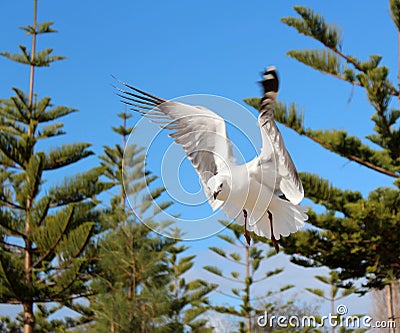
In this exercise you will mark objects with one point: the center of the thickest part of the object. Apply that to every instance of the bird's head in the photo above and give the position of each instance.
(219, 186)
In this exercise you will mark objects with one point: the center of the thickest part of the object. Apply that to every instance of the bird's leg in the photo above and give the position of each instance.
(276, 246)
(246, 235)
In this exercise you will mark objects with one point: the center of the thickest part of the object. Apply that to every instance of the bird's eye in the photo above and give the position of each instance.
(208, 188)
(220, 186)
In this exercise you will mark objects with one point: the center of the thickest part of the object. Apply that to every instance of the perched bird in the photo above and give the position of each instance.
(265, 191)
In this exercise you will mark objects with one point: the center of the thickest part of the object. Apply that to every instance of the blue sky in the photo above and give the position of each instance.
(178, 48)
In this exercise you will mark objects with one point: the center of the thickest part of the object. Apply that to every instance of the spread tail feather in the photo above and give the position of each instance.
(286, 218)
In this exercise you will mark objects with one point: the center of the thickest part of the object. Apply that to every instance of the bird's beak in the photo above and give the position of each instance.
(215, 194)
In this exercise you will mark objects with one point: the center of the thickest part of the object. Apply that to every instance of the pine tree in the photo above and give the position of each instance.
(44, 322)
(133, 270)
(249, 258)
(364, 242)
(189, 298)
(333, 281)
(131, 283)
(45, 235)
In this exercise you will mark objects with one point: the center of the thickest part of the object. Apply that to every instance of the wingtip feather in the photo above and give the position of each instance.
(270, 80)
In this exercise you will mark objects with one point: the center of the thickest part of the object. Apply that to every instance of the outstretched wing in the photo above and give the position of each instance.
(200, 132)
(287, 179)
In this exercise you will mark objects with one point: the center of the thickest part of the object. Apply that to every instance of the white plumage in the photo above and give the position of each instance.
(267, 190)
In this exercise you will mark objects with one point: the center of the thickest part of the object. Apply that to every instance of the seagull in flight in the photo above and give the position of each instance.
(265, 192)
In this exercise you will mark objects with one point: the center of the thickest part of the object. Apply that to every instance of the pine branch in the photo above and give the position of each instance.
(50, 131)
(14, 301)
(338, 142)
(74, 242)
(10, 282)
(10, 204)
(85, 311)
(322, 60)
(52, 247)
(273, 293)
(11, 247)
(395, 12)
(317, 292)
(269, 274)
(350, 60)
(41, 59)
(78, 188)
(44, 27)
(325, 61)
(228, 295)
(379, 90)
(13, 148)
(322, 192)
(40, 210)
(290, 116)
(72, 280)
(6, 222)
(33, 174)
(218, 272)
(66, 154)
(67, 264)
(44, 58)
(313, 25)
(229, 240)
(222, 253)
(54, 113)
(23, 58)
(21, 103)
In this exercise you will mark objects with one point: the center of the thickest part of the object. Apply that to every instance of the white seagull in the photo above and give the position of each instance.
(266, 190)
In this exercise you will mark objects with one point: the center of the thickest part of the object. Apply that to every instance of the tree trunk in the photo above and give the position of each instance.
(29, 318)
(247, 302)
(32, 69)
(390, 305)
(333, 309)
